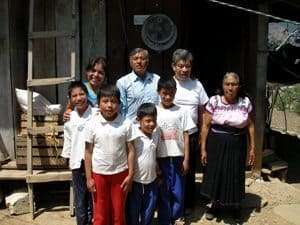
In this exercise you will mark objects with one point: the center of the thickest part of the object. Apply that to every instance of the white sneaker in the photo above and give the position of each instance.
(179, 221)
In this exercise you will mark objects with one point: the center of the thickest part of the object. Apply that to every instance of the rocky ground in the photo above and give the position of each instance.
(267, 203)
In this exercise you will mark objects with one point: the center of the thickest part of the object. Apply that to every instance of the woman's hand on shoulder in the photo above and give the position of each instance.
(66, 116)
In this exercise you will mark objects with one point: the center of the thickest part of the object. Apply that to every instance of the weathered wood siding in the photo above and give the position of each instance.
(93, 31)
(123, 35)
(6, 113)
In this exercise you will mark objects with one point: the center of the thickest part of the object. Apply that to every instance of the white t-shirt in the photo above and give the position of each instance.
(145, 160)
(109, 139)
(74, 142)
(172, 122)
(190, 95)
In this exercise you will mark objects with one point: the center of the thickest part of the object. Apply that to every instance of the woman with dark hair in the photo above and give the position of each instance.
(224, 146)
(96, 74)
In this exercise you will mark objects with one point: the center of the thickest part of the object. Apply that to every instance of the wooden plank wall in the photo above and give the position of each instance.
(6, 122)
(18, 23)
(64, 46)
(93, 31)
(123, 35)
(44, 49)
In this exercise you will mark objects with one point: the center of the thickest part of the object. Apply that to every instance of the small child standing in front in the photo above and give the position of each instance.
(109, 158)
(74, 148)
(173, 153)
(141, 200)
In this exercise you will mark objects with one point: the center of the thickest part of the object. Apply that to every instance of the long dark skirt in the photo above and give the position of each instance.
(224, 174)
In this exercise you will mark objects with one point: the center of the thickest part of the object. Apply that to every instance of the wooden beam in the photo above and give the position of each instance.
(49, 176)
(50, 34)
(49, 81)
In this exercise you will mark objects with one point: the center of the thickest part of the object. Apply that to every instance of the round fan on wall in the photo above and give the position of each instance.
(159, 32)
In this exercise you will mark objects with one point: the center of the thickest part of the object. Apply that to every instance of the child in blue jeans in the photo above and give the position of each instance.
(141, 201)
(173, 153)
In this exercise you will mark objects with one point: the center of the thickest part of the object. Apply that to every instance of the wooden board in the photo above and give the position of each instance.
(21, 141)
(45, 154)
(42, 162)
(42, 152)
(46, 118)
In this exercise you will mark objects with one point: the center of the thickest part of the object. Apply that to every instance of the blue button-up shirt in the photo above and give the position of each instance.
(135, 91)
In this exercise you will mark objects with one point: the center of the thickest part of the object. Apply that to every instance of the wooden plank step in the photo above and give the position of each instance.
(49, 81)
(50, 34)
(277, 165)
(49, 176)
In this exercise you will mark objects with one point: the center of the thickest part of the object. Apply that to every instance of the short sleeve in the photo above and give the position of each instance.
(212, 104)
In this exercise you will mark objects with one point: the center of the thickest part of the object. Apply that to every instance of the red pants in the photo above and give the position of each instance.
(109, 199)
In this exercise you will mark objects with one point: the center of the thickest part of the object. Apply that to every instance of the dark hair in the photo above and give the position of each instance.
(77, 84)
(109, 90)
(146, 109)
(182, 54)
(166, 83)
(93, 61)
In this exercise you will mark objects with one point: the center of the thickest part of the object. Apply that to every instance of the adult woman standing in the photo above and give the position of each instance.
(224, 146)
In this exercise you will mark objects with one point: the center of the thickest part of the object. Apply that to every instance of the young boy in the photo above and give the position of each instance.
(173, 153)
(74, 147)
(141, 201)
(109, 158)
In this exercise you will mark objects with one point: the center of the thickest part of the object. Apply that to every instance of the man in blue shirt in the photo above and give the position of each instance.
(139, 86)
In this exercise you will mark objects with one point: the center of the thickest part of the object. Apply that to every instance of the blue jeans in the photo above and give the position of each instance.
(171, 191)
(140, 203)
(82, 197)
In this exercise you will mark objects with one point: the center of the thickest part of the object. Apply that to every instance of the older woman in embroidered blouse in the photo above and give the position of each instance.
(224, 146)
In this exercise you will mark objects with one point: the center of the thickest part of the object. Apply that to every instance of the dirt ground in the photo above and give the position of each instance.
(267, 202)
(263, 199)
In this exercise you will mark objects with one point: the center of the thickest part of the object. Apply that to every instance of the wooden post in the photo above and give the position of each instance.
(260, 86)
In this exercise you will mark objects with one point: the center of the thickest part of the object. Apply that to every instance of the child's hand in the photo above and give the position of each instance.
(126, 184)
(90, 183)
(185, 167)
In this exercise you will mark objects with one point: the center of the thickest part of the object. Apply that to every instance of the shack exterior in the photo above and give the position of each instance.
(224, 36)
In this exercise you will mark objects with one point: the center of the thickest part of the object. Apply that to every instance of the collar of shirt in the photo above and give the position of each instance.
(86, 113)
(135, 78)
(117, 120)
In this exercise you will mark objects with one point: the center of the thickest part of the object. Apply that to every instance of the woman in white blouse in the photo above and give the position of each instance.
(224, 146)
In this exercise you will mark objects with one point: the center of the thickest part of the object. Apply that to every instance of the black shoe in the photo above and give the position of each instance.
(236, 213)
(211, 213)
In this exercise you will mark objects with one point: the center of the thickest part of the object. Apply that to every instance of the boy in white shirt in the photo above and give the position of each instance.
(109, 158)
(74, 147)
(141, 201)
(173, 153)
